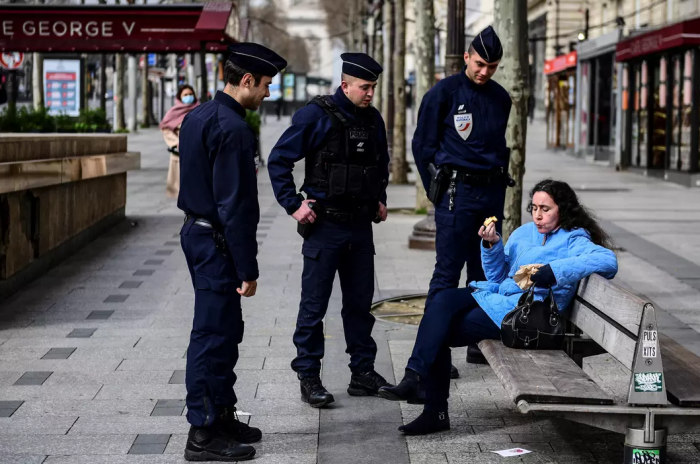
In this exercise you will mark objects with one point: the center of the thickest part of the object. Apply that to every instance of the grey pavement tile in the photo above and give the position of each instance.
(85, 408)
(22, 459)
(39, 425)
(171, 244)
(108, 378)
(129, 425)
(133, 392)
(130, 353)
(168, 365)
(476, 458)
(116, 299)
(164, 252)
(178, 377)
(428, 458)
(152, 439)
(131, 284)
(5, 412)
(100, 314)
(69, 365)
(143, 272)
(27, 392)
(33, 378)
(64, 342)
(278, 363)
(59, 353)
(147, 449)
(67, 445)
(170, 403)
(288, 443)
(495, 446)
(81, 333)
(167, 412)
(285, 424)
(153, 262)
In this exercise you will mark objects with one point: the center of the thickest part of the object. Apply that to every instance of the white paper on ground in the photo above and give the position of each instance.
(512, 452)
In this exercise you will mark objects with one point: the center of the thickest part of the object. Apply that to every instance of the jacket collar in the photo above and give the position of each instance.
(227, 100)
(346, 105)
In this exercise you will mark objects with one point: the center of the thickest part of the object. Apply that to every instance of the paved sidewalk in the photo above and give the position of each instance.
(92, 354)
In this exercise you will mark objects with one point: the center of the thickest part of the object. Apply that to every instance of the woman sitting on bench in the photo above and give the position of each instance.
(564, 238)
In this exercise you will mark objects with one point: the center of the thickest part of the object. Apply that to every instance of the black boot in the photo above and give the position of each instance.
(314, 393)
(454, 373)
(428, 422)
(406, 390)
(241, 432)
(474, 355)
(366, 384)
(211, 444)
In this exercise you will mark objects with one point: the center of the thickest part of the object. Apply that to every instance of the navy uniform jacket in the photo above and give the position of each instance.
(437, 139)
(306, 135)
(217, 177)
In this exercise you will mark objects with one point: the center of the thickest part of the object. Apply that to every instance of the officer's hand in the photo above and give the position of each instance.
(489, 234)
(304, 214)
(382, 211)
(248, 288)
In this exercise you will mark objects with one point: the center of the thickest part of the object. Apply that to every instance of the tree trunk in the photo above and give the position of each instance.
(425, 72)
(398, 160)
(454, 56)
(38, 80)
(145, 95)
(119, 93)
(133, 92)
(378, 54)
(388, 90)
(103, 82)
(511, 24)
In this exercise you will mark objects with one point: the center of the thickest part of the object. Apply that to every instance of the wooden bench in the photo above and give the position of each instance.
(662, 395)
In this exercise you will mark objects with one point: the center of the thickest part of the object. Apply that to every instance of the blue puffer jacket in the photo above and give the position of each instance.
(570, 253)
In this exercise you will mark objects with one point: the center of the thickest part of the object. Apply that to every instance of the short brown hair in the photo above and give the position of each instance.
(234, 73)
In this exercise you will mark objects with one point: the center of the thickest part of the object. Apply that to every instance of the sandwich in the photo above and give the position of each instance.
(490, 220)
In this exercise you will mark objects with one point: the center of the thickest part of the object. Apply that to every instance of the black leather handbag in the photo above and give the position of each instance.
(533, 324)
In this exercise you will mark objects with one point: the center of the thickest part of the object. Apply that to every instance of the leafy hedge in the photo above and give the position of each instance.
(27, 119)
(253, 120)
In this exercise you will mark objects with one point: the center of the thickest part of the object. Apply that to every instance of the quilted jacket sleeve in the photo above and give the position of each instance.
(585, 258)
(494, 260)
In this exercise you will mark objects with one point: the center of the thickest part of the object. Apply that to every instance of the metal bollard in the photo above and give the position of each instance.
(637, 451)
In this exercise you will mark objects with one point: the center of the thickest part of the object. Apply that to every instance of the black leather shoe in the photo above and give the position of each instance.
(366, 384)
(314, 393)
(428, 422)
(406, 390)
(211, 444)
(474, 355)
(241, 432)
(454, 373)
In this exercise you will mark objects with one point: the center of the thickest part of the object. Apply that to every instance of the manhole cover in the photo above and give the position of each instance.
(406, 310)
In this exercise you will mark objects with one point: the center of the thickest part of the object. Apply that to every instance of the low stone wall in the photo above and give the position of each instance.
(56, 194)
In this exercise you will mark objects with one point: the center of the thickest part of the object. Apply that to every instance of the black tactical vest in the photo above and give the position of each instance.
(346, 164)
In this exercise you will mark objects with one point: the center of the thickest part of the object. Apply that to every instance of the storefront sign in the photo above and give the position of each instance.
(62, 86)
(675, 35)
(560, 63)
(11, 60)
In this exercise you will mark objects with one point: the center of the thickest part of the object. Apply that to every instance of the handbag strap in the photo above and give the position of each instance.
(553, 303)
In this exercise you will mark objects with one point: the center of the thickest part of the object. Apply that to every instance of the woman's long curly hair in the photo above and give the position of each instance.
(572, 214)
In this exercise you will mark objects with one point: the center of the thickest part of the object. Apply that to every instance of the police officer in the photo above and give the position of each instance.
(460, 138)
(220, 199)
(346, 171)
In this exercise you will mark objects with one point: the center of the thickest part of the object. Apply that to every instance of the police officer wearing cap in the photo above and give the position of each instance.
(346, 171)
(460, 145)
(218, 193)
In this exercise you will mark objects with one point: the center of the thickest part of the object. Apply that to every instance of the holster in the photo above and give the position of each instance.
(305, 229)
(439, 180)
(220, 242)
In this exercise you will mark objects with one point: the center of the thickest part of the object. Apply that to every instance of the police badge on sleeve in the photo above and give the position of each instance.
(463, 124)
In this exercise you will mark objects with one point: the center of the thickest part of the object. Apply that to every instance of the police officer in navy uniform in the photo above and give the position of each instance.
(344, 142)
(461, 132)
(219, 195)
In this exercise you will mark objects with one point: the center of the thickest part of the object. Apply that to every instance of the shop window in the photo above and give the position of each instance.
(683, 163)
(625, 106)
(658, 128)
(674, 158)
(584, 110)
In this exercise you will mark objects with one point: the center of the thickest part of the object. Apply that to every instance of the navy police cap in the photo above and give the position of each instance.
(488, 45)
(256, 59)
(361, 65)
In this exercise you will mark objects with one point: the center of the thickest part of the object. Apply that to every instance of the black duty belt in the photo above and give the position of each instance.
(344, 215)
(480, 177)
(219, 238)
(199, 221)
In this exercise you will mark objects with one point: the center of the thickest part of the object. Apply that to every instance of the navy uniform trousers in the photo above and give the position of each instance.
(217, 328)
(348, 249)
(453, 318)
(457, 242)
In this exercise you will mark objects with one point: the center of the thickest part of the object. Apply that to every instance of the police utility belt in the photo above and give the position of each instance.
(363, 213)
(219, 238)
(445, 177)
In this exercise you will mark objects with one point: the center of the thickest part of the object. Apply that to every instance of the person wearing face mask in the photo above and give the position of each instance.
(460, 150)
(343, 138)
(185, 101)
(219, 196)
(564, 239)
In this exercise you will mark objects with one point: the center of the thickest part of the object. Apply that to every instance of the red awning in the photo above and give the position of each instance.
(675, 35)
(128, 28)
(560, 63)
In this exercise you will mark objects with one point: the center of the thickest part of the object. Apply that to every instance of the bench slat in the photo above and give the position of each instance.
(682, 372)
(547, 376)
(617, 303)
(614, 341)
